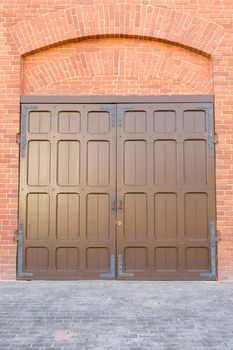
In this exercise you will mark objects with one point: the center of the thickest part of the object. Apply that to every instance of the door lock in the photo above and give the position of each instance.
(119, 223)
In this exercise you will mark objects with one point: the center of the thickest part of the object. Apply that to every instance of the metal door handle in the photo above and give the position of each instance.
(120, 201)
(113, 204)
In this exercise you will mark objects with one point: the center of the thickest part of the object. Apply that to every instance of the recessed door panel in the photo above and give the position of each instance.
(196, 216)
(68, 170)
(98, 122)
(39, 122)
(67, 259)
(165, 162)
(68, 216)
(195, 166)
(135, 122)
(165, 121)
(165, 216)
(39, 163)
(69, 122)
(98, 163)
(135, 159)
(98, 209)
(166, 259)
(38, 216)
(98, 259)
(135, 210)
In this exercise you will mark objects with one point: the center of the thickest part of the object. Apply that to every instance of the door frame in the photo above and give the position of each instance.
(118, 99)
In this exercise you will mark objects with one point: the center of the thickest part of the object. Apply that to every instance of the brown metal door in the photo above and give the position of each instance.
(117, 191)
(67, 189)
(166, 194)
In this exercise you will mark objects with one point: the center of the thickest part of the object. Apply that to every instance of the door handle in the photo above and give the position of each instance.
(120, 201)
(113, 204)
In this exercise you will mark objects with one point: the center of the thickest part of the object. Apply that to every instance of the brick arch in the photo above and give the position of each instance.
(144, 21)
(142, 64)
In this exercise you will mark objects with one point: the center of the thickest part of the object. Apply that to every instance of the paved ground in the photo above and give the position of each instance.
(116, 315)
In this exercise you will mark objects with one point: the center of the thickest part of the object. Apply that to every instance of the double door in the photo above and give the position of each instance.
(120, 191)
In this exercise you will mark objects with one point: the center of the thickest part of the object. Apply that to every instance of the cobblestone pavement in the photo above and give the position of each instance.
(116, 315)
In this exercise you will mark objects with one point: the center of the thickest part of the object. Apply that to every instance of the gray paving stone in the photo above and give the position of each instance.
(112, 315)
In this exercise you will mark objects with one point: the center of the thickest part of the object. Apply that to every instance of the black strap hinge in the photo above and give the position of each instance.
(18, 138)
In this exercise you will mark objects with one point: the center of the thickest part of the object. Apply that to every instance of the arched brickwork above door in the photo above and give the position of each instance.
(140, 21)
(116, 66)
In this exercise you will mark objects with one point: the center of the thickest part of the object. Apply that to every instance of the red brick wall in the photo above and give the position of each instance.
(109, 47)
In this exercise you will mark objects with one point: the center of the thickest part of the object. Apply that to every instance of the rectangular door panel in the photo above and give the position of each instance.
(39, 163)
(37, 259)
(135, 122)
(38, 216)
(135, 159)
(98, 122)
(67, 259)
(69, 122)
(68, 216)
(98, 212)
(196, 216)
(97, 259)
(98, 163)
(165, 162)
(39, 122)
(135, 259)
(165, 216)
(164, 121)
(68, 169)
(194, 121)
(195, 166)
(166, 259)
(135, 221)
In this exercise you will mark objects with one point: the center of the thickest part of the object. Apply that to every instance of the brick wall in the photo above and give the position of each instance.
(133, 67)
(115, 47)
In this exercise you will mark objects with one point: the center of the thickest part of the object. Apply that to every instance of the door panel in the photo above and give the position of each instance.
(165, 162)
(68, 163)
(117, 191)
(98, 163)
